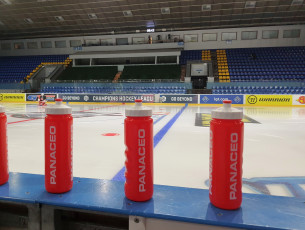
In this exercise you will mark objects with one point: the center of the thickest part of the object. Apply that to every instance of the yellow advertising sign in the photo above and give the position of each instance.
(12, 97)
(269, 99)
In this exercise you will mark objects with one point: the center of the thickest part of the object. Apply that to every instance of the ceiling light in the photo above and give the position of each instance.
(250, 4)
(6, 2)
(28, 20)
(206, 7)
(127, 13)
(46, 0)
(165, 10)
(297, 2)
(59, 18)
(92, 16)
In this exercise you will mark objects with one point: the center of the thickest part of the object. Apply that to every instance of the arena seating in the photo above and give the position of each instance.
(119, 90)
(189, 55)
(15, 69)
(256, 64)
(257, 90)
(275, 64)
(266, 64)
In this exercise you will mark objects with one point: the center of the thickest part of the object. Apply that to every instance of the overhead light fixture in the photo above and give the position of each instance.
(127, 13)
(1, 23)
(206, 7)
(165, 10)
(92, 16)
(59, 18)
(28, 21)
(250, 4)
(297, 2)
(6, 2)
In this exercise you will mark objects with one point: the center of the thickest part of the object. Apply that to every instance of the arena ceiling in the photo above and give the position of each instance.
(54, 18)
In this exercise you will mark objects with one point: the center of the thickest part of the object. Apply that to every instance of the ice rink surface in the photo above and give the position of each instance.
(274, 153)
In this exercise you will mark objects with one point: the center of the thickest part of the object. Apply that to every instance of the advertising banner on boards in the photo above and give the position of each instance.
(268, 100)
(298, 100)
(105, 98)
(179, 98)
(218, 98)
(36, 96)
(12, 97)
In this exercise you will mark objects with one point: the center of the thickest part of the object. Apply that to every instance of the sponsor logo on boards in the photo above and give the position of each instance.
(36, 96)
(205, 99)
(12, 97)
(252, 99)
(86, 98)
(185, 98)
(219, 98)
(106, 98)
(301, 100)
(269, 100)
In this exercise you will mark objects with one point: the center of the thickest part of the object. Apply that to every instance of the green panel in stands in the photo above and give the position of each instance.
(89, 73)
(151, 72)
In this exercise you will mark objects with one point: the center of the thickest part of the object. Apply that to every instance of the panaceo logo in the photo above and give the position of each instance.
(252, 99)
(1, 97)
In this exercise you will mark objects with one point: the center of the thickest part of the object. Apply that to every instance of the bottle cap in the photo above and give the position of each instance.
(59, 108)
(138, 110)
(227, 112)
(2, 109)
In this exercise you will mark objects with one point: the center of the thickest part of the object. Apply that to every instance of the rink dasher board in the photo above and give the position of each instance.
(195, 99)
(169, 203)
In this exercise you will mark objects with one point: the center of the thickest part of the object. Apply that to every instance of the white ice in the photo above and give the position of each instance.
(273, 148)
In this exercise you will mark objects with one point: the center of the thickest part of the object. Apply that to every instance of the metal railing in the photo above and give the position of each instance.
(121, 81)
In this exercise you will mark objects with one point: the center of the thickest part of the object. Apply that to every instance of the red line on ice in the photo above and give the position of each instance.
(13, 122)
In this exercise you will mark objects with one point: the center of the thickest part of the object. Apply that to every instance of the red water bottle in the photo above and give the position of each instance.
(139, 153)
(58, 148)
(226, 148)
(3, 147)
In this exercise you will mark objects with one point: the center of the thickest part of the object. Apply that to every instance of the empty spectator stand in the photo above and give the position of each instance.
(254, 64)
(117, 88)
(258, 90)
(16, 69)
(190, 55)
(266, 64)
